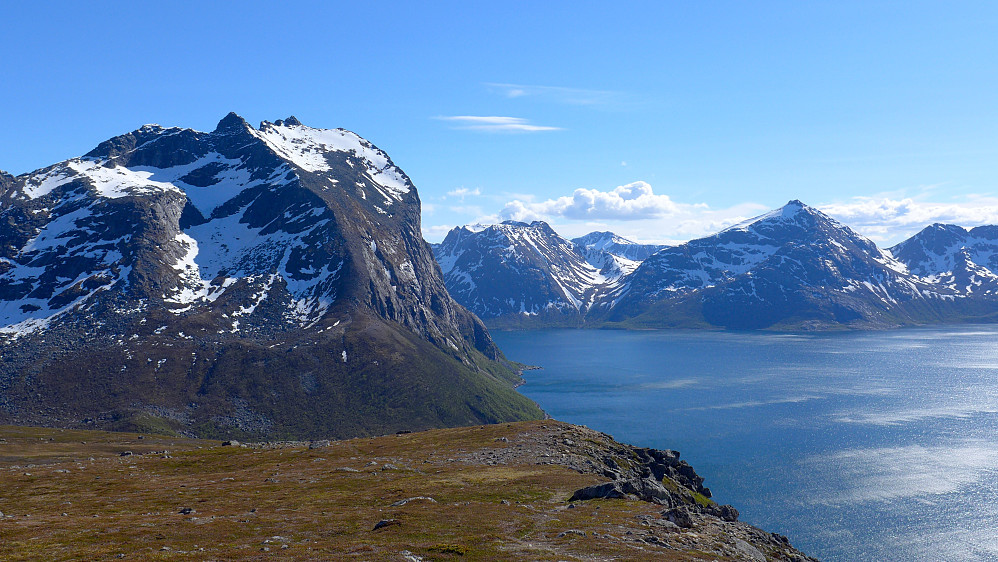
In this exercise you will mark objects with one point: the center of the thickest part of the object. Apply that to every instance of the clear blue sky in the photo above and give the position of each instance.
(883, 114)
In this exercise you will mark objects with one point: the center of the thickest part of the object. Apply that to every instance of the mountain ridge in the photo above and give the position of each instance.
(791, 268)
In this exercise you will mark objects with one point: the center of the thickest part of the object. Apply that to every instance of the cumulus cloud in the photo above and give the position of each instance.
(463, 192)
(436, 231)
(634, 201)
(890, 220)
(496, 124)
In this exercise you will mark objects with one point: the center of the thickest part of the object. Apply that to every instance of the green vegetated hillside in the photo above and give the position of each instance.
(541, 490)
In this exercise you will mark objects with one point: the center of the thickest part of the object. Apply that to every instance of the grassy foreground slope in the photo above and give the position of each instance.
(498, 492)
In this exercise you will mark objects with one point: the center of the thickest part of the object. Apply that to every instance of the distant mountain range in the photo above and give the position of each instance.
(258, 282)
(792, 268)
(515, 272)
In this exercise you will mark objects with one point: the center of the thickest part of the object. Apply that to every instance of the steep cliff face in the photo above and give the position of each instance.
(266, 281)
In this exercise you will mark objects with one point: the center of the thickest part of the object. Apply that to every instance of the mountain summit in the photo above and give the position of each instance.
(268, 281)
(793, 266)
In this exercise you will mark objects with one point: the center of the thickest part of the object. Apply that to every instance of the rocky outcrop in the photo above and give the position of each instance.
(656, 478)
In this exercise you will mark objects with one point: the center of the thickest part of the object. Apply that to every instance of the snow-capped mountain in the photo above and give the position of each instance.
(617, 245)
(516, 268)
(793, 266)
(267, 280)
(520, 272)
(615, 256)
(951, 256)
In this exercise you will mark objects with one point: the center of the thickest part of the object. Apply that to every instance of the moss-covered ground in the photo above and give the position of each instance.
(71, 495)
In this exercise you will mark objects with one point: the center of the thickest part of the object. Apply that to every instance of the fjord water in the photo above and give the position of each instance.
(858, 446)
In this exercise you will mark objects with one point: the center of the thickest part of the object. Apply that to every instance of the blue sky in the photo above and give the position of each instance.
(659, 120)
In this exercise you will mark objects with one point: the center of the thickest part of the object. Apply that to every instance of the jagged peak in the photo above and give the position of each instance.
(6, 180)
(602, 236)
(291, 121)
(232, 123)
(946, 227)
(521, 224)
(792, 211)
(795, 206)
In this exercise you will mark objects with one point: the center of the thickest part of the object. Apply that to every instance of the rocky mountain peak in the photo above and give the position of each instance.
(272, 253)
(232, 123)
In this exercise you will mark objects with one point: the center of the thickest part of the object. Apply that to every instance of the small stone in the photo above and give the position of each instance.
(187, 511)
(125, 454)
(230, 443)
(164, 548)
(386, 523)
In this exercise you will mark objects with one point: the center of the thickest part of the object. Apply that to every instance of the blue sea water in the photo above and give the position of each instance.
(857, 446)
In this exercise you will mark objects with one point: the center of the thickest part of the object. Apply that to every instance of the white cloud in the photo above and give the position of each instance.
(496, 124)
(558, 94)
(634, 211)
(890, 220)
(463, 192)
(634, 201)
(436, 231)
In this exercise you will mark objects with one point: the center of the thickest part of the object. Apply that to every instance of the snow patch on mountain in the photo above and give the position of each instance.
(307, 148)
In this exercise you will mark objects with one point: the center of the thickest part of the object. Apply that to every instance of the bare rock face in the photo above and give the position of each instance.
(264, 282)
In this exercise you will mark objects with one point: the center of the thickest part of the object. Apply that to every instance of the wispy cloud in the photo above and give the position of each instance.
(886, 219)
(496, 124)
(558, 94)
